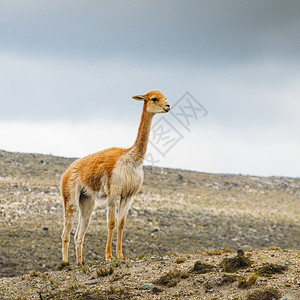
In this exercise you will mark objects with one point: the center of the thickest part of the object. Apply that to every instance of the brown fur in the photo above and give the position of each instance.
(113, 173)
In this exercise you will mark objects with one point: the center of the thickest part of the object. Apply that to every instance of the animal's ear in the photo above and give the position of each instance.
(139, 97)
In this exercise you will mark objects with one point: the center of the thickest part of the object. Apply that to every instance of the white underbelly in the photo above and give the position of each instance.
(126, 180)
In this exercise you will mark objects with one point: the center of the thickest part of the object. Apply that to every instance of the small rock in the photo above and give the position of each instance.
(240, 253)
(134, 213)
(94, 282)
(155, 229)
(146, 286)
(180, 176)
(150, 287)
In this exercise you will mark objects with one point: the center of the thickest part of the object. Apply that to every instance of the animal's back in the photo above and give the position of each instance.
(94, 170)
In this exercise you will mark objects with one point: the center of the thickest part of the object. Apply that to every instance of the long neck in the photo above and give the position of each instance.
(140, 146)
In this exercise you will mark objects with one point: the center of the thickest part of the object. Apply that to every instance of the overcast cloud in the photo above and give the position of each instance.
(69, 69)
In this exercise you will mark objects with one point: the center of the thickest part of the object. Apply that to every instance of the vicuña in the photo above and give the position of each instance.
(115, 174)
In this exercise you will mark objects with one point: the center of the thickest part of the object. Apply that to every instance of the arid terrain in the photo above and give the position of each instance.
(178, 215)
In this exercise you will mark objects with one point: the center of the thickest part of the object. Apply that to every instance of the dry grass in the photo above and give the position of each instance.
(269, 268)
(104, 271)
(264, 294)
(171, 278)
(232, 264)
(180, 260)
(202, 268)
(244, 282)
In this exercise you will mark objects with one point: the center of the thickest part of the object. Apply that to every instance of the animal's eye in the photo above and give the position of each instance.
(154, 99)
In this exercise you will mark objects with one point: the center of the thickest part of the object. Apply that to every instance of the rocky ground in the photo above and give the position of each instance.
(176, 211)
(271, 274)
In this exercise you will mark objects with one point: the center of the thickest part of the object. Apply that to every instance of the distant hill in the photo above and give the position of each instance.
(175, 211)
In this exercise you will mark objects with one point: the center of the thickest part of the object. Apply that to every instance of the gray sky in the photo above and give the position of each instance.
(69, 69)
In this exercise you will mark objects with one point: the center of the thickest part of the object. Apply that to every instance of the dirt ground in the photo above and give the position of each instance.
(272, 274)
(176, 211)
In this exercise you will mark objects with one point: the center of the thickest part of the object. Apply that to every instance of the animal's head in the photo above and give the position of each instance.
(156, 102)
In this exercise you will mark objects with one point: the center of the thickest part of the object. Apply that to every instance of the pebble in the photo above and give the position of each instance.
(155, 229)
(180, 176)
(146, 286)
(94, 282)
(134, 213)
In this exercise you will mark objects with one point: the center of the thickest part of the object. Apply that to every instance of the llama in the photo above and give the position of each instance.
(115, 174)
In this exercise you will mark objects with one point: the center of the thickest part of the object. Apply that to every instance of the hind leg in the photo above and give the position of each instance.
(111, 222)
(70, 211)
(70, 193)
(86, 207)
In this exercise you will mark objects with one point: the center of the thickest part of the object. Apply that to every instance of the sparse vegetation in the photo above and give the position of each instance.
(171, 278)
(180, 260)
(227, 279)
(118, 276)
(202, 268)
(199, 277)
(74, 286)
(244, 282)
(191, 217)
(104, 271)
(214, 252)
(113, 289)
(232, 264)
(34, 273)
(264, 294)
(63, 265)
(269, 268)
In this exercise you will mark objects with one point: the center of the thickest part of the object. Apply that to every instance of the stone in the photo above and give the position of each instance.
(155, 229)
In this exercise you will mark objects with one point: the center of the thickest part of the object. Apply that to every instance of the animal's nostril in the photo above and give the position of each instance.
(167, 105)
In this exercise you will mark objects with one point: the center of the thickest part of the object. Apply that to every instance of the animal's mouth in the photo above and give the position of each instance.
(166, 109)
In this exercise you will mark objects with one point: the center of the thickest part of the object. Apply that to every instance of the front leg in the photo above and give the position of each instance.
(111, 223)
(122, 213)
